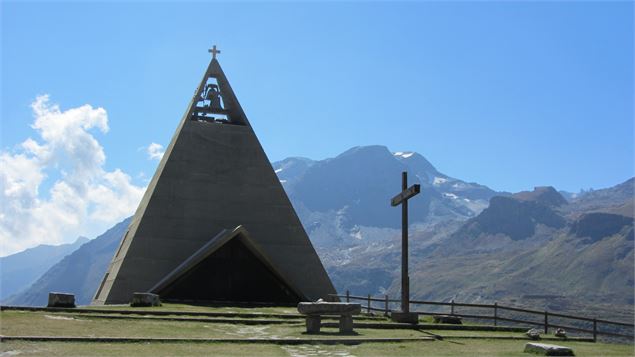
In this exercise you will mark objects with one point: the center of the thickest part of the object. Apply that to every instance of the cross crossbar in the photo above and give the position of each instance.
(213, 51)
(405, 195)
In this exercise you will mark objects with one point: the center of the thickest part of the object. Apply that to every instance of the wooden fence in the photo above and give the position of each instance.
(545, 318)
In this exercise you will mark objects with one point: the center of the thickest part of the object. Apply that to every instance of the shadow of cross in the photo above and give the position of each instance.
(402, 199)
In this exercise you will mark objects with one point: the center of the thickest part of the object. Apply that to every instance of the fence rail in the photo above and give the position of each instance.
(495, 316)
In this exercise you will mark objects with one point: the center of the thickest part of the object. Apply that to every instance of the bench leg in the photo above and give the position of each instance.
(346, 324)
(313, 323)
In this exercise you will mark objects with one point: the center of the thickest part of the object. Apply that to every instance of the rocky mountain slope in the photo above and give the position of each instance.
(345, 200)
(531, 248)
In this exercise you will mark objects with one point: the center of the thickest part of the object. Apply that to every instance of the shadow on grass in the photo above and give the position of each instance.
(456, 343)
(436, 337)
(244, 305)
(331, 333)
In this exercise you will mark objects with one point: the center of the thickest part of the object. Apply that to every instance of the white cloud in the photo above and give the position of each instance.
(155, 151)
(83, 199)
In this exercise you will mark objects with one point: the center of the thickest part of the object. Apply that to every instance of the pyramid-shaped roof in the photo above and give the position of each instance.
(214, 176)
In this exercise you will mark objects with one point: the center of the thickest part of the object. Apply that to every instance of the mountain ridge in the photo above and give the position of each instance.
(79, 272)
(499, 250)
(21, 269)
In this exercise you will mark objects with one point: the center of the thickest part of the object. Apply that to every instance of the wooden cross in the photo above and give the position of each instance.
(402, 199)
(213, 51)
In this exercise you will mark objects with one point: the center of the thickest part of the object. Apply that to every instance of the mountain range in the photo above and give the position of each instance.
(532, 248)
(346, 199)
(468, 242)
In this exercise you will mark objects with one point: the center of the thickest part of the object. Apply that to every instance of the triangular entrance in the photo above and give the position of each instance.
(214, 175)
(229, 268)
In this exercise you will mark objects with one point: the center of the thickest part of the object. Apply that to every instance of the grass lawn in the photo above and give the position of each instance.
(449, 333)
(138, 349)
(20, 323)
(45, 323)
(433, 348)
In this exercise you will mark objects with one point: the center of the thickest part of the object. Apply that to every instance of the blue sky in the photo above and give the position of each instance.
(507, 94)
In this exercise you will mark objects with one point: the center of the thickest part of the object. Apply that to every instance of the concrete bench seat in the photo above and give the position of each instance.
(315, 310)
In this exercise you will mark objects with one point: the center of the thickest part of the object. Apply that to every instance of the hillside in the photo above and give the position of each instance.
(20, 270)
(78, 273)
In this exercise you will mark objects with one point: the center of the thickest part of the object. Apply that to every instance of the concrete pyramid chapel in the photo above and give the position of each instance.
(215, 223)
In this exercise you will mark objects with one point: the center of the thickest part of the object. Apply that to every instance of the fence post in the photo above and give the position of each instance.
(595, 330)
(546, 322)
(348, 296)
(496, 314)
(368, 303)
(452, 307)
(386, 306)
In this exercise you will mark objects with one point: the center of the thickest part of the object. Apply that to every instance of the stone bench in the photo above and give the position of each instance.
(447, 319)
(145, 299)
(315, 310)
(548, 350)
(61, 300)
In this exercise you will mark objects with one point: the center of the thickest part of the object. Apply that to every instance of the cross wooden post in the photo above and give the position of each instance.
(402, 199)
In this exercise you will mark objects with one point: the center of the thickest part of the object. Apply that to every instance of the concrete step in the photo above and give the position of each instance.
(279, 341)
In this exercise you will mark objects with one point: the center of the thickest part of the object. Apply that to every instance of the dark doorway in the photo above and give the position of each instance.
(232, 273)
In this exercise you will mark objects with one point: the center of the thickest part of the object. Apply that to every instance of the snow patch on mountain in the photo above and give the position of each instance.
(438, 181)
(403, 154)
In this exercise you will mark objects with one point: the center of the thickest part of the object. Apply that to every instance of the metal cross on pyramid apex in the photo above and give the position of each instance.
(213, 51)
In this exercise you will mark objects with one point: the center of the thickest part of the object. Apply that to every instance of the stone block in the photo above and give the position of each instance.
(533, 334)
(447, 319)
(329, 308)
(145, 299)
(61, 300)
(346, 324)
(404, 317)
(313, 323)
(548, 350)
